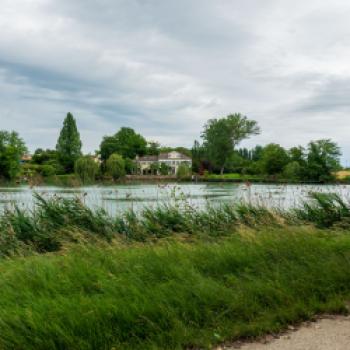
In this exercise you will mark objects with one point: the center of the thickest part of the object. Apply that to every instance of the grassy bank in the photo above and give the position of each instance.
(168, 278)
(57, 222)
(172, 295)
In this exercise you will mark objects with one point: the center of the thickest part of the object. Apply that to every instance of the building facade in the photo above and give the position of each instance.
(153, 164)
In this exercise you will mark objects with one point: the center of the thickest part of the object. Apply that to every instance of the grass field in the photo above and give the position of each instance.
(172, 295)
(171, 278)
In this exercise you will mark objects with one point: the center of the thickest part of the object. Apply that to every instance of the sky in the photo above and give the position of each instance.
(165, 67)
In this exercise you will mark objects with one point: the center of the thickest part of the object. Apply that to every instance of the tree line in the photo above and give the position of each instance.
(218, 152)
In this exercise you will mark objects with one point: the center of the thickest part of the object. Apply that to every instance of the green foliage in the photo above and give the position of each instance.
(322, 160)
(274, 158)
(153, 148)
(115, 166)
(325, 210)
(154, 167)
(292, 171)
(69, 145)
(12, 148)
(125, 142)
(221, 136)
(130, 166)
(173, 296)
(164, 169)
(86, 169)
(183, 171)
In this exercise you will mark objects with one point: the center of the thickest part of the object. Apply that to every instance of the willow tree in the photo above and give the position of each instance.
(221, 136)
(69, 144)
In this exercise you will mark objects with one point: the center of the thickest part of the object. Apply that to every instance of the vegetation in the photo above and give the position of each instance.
(115, 166)
(218, 154)
(172, 295)
(69, 145)
(55, 222)
(221, 136)
(86, 169)
(125, 142)
(12, 148)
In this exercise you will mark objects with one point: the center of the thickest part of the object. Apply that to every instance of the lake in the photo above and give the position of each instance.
(119, 198)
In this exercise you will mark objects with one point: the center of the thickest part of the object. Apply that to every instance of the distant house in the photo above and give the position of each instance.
(172, 160)
(26, 158)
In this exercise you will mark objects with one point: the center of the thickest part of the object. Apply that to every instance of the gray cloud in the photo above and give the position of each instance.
(165, 67)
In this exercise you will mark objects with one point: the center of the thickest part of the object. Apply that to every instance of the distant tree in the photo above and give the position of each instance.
(180, 149)
(115, 166)
(183, 171)
(274, 158)
(197, 153)
(154, 167)
(49, 159)
(125, 142)
(164, 169)
(69, 145)
(130, 166)
(153, 148)
(322, 160)
(86, 169)
(12, 148)
(221, 136)
(256, 153)
(293, 171)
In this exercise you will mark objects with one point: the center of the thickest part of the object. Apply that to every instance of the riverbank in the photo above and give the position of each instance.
(170, 277)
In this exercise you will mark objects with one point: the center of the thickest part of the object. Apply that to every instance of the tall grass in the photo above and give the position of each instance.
(59, 221)
(172, 295)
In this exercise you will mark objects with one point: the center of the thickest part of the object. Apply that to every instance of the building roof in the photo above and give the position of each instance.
(173, 155)
(163, 156)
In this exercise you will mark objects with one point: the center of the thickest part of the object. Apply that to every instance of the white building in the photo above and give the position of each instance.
(172, 160)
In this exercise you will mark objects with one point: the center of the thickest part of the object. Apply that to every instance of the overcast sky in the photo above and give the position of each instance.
(164, 67)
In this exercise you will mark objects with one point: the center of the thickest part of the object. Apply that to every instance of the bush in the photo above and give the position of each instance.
(183, 171)
(115, 166)
(86, 169)
(292, 171)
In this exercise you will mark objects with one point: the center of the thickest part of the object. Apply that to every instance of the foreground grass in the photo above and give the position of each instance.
(172, 295)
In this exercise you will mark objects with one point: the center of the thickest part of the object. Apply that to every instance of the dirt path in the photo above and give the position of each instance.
(326, 334)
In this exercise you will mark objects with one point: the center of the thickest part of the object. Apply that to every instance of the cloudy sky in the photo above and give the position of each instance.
(164, 67)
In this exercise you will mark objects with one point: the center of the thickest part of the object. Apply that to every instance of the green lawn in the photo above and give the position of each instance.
(172, 295)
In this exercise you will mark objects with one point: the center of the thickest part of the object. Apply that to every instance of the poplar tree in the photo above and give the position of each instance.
(69, 144)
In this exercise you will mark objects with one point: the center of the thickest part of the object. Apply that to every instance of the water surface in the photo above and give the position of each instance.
(119, 198)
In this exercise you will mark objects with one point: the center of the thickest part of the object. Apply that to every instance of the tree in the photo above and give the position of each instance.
(221, 136)
(274, 158)
(115, 166)
(125, 142)
(86, 169)
(292, 171)
(12, 148)
(68, 145)
(183, 171)
(153, 148)
(322, 160)
(48, 160)
(164, 169)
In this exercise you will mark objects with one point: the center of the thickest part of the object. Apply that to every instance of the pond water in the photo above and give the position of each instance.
(119, 198)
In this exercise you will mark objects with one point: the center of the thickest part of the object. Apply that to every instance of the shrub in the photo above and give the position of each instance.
(115, 166)
(183, 171)
(292, 171)
(86, 169)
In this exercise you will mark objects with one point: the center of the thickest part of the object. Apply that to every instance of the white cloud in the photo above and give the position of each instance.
(165, 67)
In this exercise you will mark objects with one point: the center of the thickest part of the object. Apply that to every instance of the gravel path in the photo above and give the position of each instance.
(325, 334)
